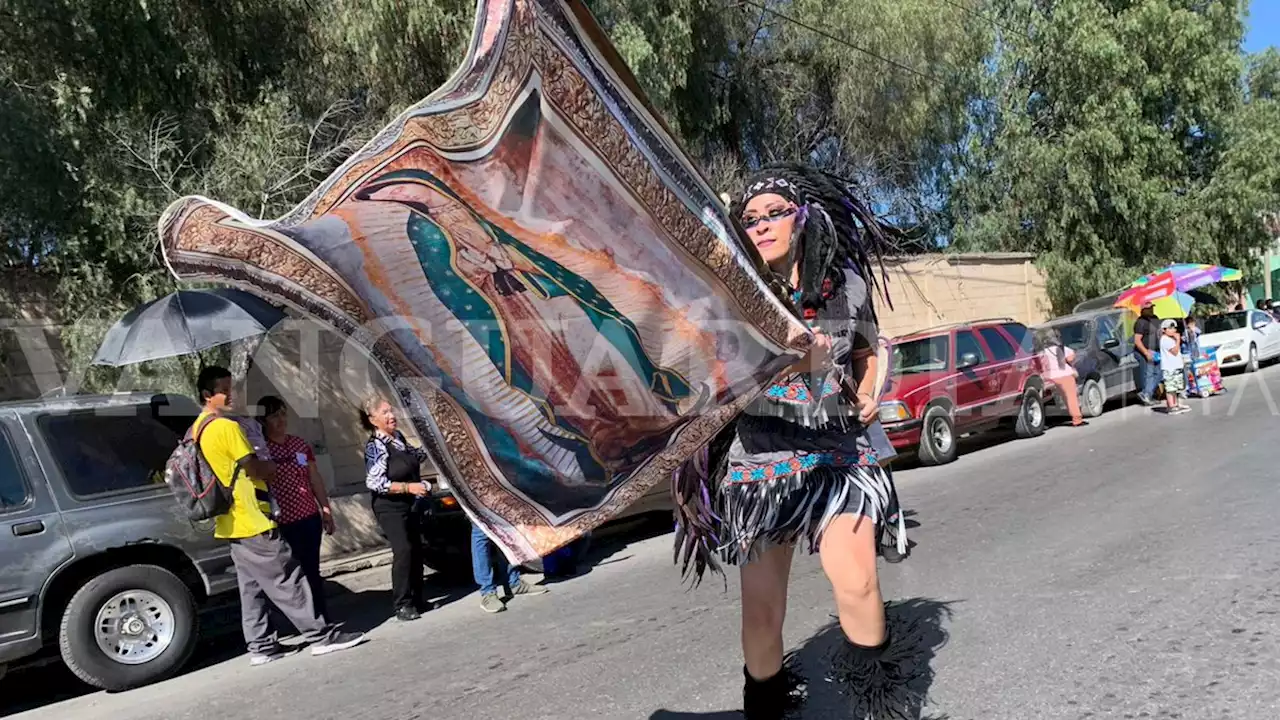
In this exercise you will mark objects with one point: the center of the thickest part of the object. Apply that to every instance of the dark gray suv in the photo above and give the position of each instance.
(96, 558)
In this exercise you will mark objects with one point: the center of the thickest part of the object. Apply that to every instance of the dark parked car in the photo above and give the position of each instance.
(97, 561)
(1103, 342)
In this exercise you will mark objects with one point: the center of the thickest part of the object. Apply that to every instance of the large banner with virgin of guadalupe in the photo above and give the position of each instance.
(560, 299)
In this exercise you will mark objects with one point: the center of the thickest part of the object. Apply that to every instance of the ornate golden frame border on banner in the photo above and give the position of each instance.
(517, 42)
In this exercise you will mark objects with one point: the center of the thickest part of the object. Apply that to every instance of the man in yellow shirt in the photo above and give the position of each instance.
(266, 569)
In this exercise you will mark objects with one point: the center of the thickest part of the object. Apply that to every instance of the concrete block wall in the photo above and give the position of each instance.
(932, 290)
(323, 382)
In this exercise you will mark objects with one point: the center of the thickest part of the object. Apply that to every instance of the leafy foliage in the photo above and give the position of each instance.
(1106, 136)
(1118, 140)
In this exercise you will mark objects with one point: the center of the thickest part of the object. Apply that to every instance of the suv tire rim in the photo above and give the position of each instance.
(1035, 414)
(1095, 398)
(134, 627)
(940, 434)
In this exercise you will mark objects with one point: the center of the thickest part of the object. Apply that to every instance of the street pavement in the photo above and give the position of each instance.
(1128, 569)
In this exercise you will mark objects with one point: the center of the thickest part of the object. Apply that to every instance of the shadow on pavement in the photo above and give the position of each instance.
(909, 518)
(921, 619)
(40, 686)
(668, 715)
(608, 545)
(50, 683)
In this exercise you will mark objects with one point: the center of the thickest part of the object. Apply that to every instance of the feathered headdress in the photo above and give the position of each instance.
(835, 230)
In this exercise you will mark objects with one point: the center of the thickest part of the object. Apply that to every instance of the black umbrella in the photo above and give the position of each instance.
(185, 322)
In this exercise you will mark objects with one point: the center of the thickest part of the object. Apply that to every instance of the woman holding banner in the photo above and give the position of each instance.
(799, 466)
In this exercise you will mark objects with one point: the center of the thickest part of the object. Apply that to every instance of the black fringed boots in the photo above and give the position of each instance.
(779, 698)
(880, 680)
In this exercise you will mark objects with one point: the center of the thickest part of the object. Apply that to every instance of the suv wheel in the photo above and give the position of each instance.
(1030, 415)
(937, 437)
(128, 627)
(1093, 398)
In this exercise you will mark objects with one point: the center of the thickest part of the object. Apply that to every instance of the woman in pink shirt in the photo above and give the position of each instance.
(1056, 360)
(301, 500)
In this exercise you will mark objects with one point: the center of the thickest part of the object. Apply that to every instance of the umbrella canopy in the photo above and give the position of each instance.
(1160, 287)
(185, 322)
(1189, 276)
(1156, 288)
(1176, 306)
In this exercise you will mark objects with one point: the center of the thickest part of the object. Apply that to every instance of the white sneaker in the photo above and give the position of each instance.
(279, 653)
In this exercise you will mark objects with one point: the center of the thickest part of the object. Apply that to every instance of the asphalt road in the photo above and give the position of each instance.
(1129, 569)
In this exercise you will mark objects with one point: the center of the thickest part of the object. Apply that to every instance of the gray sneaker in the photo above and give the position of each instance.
(339, 641)
(490, 603)
(525, 588)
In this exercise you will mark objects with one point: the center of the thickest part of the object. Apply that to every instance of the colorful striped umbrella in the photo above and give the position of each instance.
(1175, 306)
(1189, 276)
(1157, 287)
(1160, 287)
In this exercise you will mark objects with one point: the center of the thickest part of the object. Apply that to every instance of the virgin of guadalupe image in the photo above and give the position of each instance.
(549, 334)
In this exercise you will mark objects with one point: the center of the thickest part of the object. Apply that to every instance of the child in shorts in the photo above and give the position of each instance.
(1175, 376)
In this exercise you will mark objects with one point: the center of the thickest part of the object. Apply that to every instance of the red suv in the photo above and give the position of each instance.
(949, 381)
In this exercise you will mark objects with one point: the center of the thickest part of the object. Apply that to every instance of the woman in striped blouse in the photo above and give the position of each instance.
(393, 474)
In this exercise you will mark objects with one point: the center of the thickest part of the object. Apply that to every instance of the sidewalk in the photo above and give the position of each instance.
(358, 572)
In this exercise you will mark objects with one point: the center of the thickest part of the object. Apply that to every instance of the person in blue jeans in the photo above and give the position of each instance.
(1146, 342)
(484, 563)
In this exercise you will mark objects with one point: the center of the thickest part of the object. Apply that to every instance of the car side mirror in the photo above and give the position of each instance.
(1260, 324)
(967, 360)
(1110, 344)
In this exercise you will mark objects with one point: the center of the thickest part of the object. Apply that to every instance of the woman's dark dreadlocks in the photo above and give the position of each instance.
(835, 230)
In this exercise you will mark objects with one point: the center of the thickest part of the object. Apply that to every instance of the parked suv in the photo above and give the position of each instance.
(96, 557)
(949, 381)
(1105, 364)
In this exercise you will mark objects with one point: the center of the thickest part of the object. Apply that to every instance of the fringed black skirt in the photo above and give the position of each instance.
(758, 514)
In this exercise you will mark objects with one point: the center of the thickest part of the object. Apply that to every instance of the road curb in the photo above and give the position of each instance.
(348, 564)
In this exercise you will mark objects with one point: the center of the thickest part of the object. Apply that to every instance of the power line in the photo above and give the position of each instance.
(817, 31)
(970, 11)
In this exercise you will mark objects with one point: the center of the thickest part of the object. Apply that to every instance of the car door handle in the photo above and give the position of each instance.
(35, 527)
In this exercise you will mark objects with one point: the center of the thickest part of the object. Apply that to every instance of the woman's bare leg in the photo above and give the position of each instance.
(1070, 393)
(764, 608)
(848, 552)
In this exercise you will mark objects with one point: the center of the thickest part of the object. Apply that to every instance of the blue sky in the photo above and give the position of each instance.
(1264, 25)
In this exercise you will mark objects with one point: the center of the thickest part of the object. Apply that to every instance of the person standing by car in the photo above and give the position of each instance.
(1058, 361)
(302, 502)
(482, 568)
(265, 567)
(393, 475)
(1146, 341)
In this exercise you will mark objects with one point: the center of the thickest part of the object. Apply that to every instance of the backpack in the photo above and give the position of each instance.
(191, 479)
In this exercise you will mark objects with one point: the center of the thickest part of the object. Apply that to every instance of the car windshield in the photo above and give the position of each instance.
(1074, 335)
(923, 355)
(1226, 322)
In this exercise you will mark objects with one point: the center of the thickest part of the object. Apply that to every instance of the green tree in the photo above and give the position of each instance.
(1246, 181)
(1106, 123)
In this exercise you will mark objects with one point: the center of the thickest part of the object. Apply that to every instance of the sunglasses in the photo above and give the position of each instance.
(774, 216)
